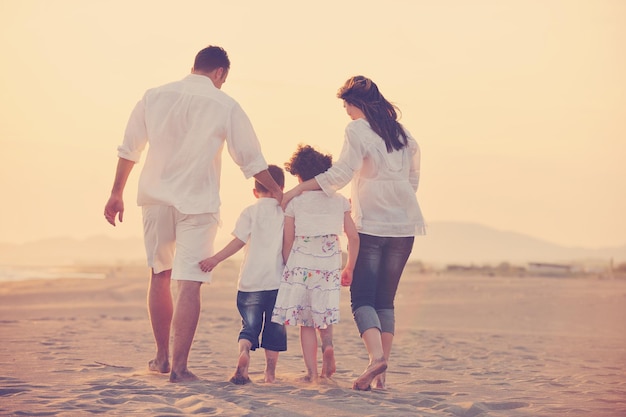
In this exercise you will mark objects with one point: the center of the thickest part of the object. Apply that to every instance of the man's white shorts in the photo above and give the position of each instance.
(178, 241)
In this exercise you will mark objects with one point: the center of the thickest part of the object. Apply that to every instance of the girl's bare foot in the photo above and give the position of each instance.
(328, 362)
(156, 366)
(241, 373)
(376, 367)
(184, 376)
(308, 378)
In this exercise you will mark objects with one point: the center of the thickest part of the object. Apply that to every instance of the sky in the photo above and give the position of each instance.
(519, 107)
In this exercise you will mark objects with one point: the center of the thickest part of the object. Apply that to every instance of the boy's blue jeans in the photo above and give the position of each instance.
(375, 280)
(256, 316)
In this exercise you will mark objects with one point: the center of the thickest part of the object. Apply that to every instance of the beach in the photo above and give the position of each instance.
(465, 345)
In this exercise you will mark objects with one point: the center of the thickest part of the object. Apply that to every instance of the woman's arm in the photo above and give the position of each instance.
(310, 185)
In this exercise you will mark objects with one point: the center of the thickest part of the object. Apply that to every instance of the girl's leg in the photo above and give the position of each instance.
(308, 340)
(328, 353)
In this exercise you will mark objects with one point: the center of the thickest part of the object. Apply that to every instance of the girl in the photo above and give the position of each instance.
(310, 289)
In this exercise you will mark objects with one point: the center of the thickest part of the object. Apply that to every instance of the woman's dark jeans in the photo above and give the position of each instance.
(375, 280)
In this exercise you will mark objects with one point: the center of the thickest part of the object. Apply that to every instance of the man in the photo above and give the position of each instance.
(186, 124)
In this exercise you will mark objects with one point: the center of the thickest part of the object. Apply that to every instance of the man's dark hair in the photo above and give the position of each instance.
(277, 173)
(210, 58)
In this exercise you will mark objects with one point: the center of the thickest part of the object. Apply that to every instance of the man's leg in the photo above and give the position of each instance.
(160, 309)
(185, 321)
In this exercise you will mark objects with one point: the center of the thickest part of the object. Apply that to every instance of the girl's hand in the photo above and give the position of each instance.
(346, 277)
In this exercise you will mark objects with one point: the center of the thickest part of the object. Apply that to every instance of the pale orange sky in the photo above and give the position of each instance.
(519, 106)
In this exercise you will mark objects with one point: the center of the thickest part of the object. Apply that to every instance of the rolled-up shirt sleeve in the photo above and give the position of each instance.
(243, 144)
(414, 171)
(350, 160)
(135, 136)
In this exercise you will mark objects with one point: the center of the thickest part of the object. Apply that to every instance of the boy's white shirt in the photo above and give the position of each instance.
(260, 226)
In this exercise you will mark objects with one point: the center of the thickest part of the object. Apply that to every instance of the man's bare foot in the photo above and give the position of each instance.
(184, 376)
(376, 367)
(241, 373)
(380, 381)
(328, 362)
(155, 366)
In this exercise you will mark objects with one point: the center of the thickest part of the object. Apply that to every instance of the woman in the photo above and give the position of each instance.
(382, 160)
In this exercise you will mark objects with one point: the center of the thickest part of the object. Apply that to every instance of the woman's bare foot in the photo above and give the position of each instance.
(241, 373)
(328, 362)
(376, 367)
(156, 366)
(184, 376)
(380, 381)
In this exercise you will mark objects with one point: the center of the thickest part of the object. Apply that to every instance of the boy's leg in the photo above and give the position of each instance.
(241, 373)
(271, 359)
(274, 338)
(250, 308)
(328, 353)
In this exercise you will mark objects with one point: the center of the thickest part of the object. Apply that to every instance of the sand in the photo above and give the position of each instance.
(465, 346)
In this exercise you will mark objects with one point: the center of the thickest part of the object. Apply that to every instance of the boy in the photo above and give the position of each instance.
(259, 230)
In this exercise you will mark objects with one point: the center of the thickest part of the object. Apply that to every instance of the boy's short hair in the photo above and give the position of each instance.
(306, 162)
(277, 173)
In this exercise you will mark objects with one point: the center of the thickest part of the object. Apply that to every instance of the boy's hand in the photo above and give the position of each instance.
(346, 277)
(207, 265)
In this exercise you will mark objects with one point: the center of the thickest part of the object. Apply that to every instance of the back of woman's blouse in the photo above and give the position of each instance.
(383, 183)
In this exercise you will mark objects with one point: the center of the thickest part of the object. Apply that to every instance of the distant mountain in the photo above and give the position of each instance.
(467, 243)
(68, 251)
(445, 243)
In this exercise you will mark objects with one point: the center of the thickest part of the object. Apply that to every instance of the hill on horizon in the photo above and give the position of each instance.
(445, 243)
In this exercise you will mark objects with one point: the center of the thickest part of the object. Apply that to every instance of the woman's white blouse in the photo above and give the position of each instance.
(383, 183)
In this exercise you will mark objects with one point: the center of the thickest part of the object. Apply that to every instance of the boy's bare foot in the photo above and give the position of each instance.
(156, 366)
(241, 373)
(239, 379)
(184, 376)
(376, 367)
(328, 362)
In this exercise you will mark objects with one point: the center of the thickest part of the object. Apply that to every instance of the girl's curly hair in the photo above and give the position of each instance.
(306, 162)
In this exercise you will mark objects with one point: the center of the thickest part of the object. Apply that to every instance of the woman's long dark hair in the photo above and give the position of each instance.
(382, 116)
